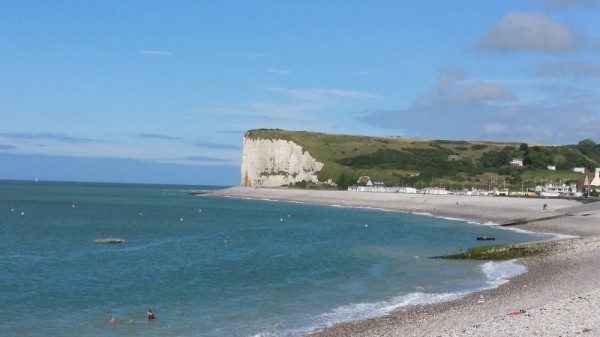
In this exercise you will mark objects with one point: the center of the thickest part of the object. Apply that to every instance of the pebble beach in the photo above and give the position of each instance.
(559, 295)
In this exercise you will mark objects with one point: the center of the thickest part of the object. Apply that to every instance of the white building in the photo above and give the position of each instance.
(579, 169)
(516, 162)
(551, 167)
(596, 181)
(434, 190)
(375, 182)
(556, 190)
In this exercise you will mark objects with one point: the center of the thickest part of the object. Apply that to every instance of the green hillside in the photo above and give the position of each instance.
(444, 163)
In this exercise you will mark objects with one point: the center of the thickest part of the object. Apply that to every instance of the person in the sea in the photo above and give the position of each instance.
(112, 319)
(150, 314)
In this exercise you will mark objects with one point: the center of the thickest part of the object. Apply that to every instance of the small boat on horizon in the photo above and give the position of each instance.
(485, 238)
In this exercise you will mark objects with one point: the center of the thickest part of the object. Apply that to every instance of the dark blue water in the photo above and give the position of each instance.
(214, 266)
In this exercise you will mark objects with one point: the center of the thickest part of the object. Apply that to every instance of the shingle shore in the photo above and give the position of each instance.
(559, 295)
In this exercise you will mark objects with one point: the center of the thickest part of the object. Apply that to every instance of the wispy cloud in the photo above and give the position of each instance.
(251, 55)
(154, 136)
(573, 3)
(573, 69)
(217, 146)
(204, 159)
(278, 71)
(59, 137)
(155, 52)
(472, 109)
(240, 131)
(365, 72)
(521, 31)
(321, 94)
(6, 147)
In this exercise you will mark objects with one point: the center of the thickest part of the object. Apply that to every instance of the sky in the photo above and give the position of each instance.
(164, 91)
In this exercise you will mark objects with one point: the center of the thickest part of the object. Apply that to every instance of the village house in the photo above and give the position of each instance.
(551, 167)
(516, 162)
(375, 183)
(591, 181)
(558, 189)
(579, 169)
(596, 180)
(501, 191)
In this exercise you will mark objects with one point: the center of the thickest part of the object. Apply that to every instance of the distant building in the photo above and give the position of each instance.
(454, 157)
(516, 162)
(375, 182)
(579, 169)
(556, 189)
(596, 180)
(551, 167)
(434, 190)
(591, 181)
(501, 191)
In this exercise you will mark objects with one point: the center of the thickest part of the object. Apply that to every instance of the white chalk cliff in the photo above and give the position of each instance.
(275, 163)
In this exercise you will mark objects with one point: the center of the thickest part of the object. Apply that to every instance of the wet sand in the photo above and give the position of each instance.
(559, 295)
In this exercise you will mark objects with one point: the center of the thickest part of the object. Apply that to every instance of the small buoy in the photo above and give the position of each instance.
(140, 213)
(181, 219)
(73, 205)
(280, 219)
(199, 211)
(12, 209)
(289, 215)
(366, 225)
(22, 213)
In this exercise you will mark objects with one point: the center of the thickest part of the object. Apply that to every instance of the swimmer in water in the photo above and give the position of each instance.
(112, 319)
(150, 314)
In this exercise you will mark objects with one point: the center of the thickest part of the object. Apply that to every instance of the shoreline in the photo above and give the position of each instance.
(559, 294)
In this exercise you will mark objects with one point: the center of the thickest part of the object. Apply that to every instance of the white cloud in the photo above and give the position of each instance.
(451, 88)
(519, 31)
(147, 135)
(47, 136)
(574, 69)
(278, 71)
(573, 3)
(455, 108)
(484, 92)
(495, 128)
(156, 52)
(277, 111)
(251, 55)
(324, 94)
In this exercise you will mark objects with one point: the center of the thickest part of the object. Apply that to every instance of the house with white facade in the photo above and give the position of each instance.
(375, 183)
(579, 169)
(556, 189)
(516, 162)
(551, 168)
(593, 182)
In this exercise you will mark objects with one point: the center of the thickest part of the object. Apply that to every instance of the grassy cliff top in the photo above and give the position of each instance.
(398, 160)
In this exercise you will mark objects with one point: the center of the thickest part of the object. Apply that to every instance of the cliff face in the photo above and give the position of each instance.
(274, 163)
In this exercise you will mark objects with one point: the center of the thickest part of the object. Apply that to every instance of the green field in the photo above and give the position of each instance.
(425, 162)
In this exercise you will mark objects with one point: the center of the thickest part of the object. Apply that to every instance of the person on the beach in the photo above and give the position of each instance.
(150, 314)
(112, 319)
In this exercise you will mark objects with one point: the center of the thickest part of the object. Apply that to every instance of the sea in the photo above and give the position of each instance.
(217, 266)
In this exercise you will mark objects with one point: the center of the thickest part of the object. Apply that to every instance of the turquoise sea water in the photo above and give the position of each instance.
(215, 266)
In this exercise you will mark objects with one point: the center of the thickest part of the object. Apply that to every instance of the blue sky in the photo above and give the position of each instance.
(163, 91)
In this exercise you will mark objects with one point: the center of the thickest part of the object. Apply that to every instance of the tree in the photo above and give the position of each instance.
(524, 148)
(587, 143)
